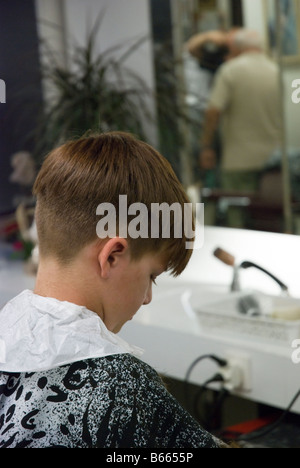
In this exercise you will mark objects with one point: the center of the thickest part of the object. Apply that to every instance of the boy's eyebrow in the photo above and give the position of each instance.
(162, 270)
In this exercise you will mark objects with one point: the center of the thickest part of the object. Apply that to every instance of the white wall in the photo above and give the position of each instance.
(122, 24)
(253, 11)
(50, 24)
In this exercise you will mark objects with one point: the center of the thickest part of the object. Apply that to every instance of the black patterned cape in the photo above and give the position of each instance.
(113, 401)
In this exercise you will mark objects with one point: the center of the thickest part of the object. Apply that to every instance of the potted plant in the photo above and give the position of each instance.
(97, 92)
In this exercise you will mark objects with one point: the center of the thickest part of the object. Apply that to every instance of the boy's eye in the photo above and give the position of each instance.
(153, 278)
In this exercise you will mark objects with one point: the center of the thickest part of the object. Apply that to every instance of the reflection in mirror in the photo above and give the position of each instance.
(239, 61)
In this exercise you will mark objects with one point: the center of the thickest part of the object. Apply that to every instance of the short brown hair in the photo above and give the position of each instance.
(79, 175)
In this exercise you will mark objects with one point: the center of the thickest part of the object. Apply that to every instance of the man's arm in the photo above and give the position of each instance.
(194, 44)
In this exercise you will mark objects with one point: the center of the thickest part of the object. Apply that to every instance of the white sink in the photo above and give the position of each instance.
(213, 309)
(275, 318)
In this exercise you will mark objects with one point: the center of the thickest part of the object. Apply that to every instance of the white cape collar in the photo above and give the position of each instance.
(39, 333)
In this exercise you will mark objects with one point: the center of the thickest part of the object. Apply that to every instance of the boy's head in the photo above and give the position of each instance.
(80, 175)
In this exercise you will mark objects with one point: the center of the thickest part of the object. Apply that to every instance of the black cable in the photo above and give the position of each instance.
(221, 396)
(221, 362)
(216, 378)
(272, 426)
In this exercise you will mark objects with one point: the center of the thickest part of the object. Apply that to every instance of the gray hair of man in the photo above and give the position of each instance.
(247, 39)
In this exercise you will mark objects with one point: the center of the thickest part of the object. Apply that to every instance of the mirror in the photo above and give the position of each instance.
(276, 206)
(272, 204)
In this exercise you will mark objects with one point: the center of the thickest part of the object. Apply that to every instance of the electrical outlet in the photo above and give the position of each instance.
(237, 373)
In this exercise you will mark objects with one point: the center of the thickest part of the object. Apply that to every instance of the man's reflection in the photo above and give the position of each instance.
(203, 54)
(245, 102)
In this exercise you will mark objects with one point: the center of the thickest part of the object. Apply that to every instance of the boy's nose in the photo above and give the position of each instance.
(148, 297)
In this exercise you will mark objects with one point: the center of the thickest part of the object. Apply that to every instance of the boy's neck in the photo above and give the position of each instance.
(67, 283)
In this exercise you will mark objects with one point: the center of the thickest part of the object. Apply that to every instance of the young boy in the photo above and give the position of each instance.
(66, 378)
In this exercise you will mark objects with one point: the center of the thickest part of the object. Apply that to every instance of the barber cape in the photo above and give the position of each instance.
(41, 333)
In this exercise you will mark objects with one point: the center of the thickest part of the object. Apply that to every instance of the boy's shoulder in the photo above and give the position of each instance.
(115, 369)
(126, 365)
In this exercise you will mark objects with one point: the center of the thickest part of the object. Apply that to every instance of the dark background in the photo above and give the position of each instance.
(19, 68)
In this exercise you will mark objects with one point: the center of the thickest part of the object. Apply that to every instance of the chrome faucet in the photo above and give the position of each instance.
(228, 259)
(235, 285)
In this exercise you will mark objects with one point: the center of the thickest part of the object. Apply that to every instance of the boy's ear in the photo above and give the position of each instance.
(114, 250)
